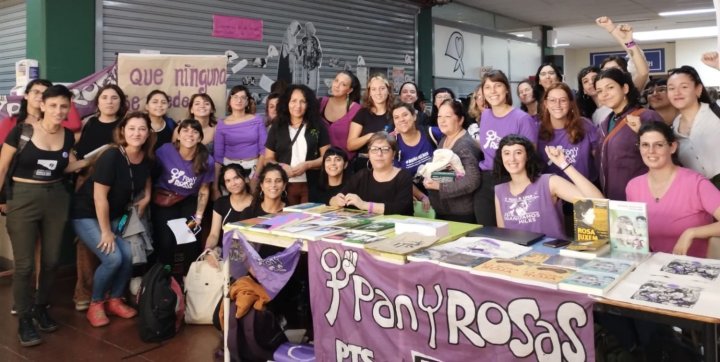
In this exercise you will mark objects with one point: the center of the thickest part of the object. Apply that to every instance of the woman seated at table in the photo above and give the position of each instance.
(682, 206)
(383, 190)
(530, 200)
(453, 200)
(229, 208)
(271, 196)
(333, 175)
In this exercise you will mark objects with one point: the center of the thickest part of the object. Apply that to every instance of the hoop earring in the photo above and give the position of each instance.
(368, 165)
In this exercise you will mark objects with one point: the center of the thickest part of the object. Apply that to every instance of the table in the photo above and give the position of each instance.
(706, 325)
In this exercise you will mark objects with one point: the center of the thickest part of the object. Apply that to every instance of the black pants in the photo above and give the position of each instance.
(164, 241)
(484, 200)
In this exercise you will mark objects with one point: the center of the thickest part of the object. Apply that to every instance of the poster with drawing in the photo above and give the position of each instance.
(300, 55)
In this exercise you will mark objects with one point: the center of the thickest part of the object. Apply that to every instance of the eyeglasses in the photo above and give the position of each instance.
(659, 90)
(561, 101)
(644, 146)
(380, 150)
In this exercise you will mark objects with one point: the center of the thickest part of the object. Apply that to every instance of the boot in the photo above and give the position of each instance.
(96, 314)
(44, 322)
(116, 306)
(27, 333)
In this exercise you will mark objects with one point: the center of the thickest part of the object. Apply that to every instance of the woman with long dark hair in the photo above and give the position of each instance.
(181, 190)
(619, 158)
(439, 96)
(333, 175)
(157, 104)
(297, 141)
(339, 109)
(98, 131)
(409, 94)
(202, 108)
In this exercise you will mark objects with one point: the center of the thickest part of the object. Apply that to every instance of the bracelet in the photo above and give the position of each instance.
(630, 44)
(370, 207)
(565, 167)
(198, 216)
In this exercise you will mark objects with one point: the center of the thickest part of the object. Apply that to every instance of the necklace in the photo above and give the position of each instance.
(42, 125)
(451, 141)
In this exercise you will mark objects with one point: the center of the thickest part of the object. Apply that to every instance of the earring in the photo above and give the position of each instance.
(284, 194)
(262, 195)
(368, 165)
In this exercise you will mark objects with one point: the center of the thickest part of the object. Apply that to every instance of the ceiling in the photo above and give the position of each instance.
(574, 20)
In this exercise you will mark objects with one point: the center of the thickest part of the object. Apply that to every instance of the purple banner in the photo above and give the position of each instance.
(84, 92)
(369, 310)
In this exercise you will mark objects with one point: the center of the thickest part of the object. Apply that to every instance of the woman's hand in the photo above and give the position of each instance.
(338, 200)
(142, 205)
(107, 243)
(355, 200)
(430, 184)
(288, 170)
(605, 23)
(3, 209)
(711, 59)
(299, 169)
(684, 242)
(212, 259)
(426, 203)
(556, 155)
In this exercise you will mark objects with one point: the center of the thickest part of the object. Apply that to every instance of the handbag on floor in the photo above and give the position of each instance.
(203, 290)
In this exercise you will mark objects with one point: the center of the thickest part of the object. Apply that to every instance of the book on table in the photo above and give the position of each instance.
(322, 210)
(586, 249)
(629, 226)
(461, 261)
(279, 220)
(565, 261)
(522, 272)
(293, 230)
(352, 239)
(591, 220)
(477, 247)
(352, 223)
(533, 256)
(586, 282)
(437, 228)
(302, 207)
(247, 223)
(377, 228)
(319, 232)
(522, 237)
(395, 249)
(349, 213)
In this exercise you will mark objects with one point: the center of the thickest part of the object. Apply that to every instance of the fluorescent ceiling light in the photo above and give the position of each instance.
(561, 45)
(684, 33)
(686, 12)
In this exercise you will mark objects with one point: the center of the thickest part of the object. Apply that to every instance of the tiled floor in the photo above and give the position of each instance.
(76, 340)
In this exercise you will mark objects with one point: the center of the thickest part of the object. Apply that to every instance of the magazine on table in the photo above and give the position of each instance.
(629, 226)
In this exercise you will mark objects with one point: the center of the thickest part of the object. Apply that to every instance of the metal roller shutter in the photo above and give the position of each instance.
(382, 32)
(12, 43)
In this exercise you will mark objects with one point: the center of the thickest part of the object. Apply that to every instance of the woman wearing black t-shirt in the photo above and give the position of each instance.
(229, 208)
(157, 103)
(373, 117)
(333, 175)
(37, 205)
(120, 174)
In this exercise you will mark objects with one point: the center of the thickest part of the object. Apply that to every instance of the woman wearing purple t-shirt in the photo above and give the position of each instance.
(338, 111)
(531, 201)
(561, 126)
(186, 171)
(499, 121)
(240, 137)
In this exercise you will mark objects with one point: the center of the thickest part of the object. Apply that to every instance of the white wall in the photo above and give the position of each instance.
(688, 52)
(576, 59)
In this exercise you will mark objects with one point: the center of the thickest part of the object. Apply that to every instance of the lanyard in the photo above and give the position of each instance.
(132, 182)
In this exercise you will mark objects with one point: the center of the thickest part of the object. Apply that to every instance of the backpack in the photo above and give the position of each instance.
(161, 305)
(255, 336)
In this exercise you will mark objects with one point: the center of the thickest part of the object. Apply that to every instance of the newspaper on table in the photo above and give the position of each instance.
(673, 282)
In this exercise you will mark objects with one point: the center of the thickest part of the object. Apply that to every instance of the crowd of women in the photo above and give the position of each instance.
(519, 167)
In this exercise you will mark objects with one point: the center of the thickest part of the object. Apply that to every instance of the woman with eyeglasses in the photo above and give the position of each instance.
(547, 74)
(409, 94)
(453, 200)
(297, 141)
(374, 117)
(657, 99)
(240, 137)
(562, 127)
(339, 109)
(438, 96)
(619, 158)
(531, 200)
(383, 190)
(500, 120)
(683, 207)
(696, 125)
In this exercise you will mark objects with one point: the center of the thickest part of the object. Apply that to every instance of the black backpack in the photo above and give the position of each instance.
(256, 335)
(161, 305)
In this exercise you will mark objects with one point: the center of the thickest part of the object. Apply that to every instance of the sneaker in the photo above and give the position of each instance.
(44, 322)
(96, 314)
(116, 306)
(13, 311)
(27, 333)
(82, 305)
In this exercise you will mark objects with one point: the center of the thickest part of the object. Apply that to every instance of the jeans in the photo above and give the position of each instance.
(115, 268)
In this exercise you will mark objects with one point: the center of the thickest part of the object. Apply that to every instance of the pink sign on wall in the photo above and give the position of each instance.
(237, 28)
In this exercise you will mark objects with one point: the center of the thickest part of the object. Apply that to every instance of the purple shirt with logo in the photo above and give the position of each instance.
(493, 129)
(533, 209)
(411, 157)
(580, 155)
(177, 174)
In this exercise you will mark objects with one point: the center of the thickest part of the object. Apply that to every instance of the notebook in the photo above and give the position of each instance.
(521, 237)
